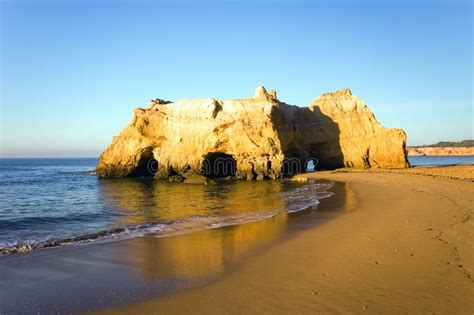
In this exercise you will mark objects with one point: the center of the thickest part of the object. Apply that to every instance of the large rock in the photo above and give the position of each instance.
(251, 138)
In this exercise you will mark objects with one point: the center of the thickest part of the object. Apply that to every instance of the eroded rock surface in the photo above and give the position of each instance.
(252, 138)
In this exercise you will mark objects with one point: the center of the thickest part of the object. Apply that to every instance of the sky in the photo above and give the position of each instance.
(72, 71)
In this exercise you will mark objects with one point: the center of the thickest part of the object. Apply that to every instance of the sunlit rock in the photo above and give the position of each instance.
(252, 138)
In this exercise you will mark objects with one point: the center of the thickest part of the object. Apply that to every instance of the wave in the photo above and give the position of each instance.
(26, 222)
(297, 200)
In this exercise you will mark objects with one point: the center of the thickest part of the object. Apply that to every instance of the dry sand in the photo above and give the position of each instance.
(407, 247)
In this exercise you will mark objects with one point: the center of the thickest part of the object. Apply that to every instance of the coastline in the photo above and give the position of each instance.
(440, 151)
(94, 276)
(386, 241)
(406, 248)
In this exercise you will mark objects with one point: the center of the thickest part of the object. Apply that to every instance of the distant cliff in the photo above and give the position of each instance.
(435, 151)
(264, 137)
(464, 147)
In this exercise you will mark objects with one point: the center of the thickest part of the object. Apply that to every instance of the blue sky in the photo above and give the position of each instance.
(72, 71)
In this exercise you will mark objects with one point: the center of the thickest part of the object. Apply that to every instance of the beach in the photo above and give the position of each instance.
(386, 241)
(406, 247)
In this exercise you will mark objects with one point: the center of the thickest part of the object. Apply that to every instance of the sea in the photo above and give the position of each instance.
(61, 202)
(51, 202)
(440, 160)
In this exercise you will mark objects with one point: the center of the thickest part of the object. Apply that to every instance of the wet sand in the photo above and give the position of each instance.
(92, 277)
(407, 247)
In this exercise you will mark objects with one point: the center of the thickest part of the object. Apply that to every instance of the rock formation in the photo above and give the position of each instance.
(252, 138)
(441, 151)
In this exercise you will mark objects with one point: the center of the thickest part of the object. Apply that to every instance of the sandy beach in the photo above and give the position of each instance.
(387, 241)
(405, 245)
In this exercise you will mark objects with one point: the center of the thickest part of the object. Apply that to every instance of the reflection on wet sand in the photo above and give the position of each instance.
(144, 200)
(111, 274)
(344, 200)
(201, 254)
(103, 275)
(205, 254)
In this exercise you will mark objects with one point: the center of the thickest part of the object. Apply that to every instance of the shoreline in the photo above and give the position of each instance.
(406, 248)
(96, 276)
(387, 241)
(176, 227)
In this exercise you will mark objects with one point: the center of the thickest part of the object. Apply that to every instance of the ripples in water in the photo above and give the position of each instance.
(53, 202)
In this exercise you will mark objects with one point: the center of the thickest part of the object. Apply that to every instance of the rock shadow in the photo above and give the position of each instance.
(308, 138)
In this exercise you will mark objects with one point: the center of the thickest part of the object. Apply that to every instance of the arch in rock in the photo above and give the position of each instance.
(147, 165)
(219, 165)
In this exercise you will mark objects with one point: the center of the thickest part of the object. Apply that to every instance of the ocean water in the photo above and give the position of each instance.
(55, 202)
(59, 202)
(440, 160)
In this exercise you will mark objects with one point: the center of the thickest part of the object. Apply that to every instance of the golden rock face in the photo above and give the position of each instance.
(258, 135)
